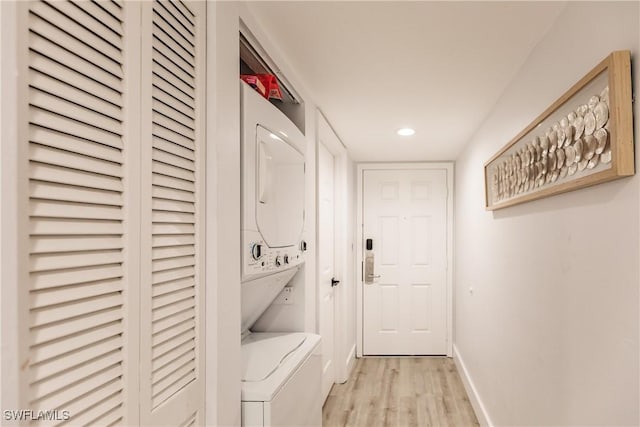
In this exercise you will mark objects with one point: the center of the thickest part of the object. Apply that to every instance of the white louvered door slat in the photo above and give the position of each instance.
(63, 175)
(76, 344)
(46, 369)
(170, 93)
(46, 47)
(90, 20)
(85, 54)
(43, 297)
(79, 80)
(73, 193)
(59, 18)
(76, 209)
(44, 82)
(166, 98)
(172, 159)
(113, 7)
(171, 295)
(72, 160)
(97, 13)
(169, 188)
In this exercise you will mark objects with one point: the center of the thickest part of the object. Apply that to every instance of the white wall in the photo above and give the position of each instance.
(351, 277)
(549, 335)
(223, 217)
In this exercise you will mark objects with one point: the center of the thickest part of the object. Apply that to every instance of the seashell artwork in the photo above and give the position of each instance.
(589, 123)
(582, 164)
(601, 111)
(589, 147)
(578, 141)
(563, 171)
(579, 126)
(560, 155)
(571, 155)
(582, 110)
(553, 162)
(568, 131)
(593, 162)
(544, 144)
(604, 95)
(584, 138)
(602, 137)
(577, 147)
(562, 136)
(573, 168)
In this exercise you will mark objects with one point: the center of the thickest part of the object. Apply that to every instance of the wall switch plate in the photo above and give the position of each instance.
(285, 296)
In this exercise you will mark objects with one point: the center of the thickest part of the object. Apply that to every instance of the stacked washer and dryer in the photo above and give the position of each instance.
(281, 370)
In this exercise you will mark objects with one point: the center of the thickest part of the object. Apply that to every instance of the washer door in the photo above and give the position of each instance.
(280, 185)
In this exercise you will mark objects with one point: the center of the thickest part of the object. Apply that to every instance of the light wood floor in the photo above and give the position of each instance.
(416, 391)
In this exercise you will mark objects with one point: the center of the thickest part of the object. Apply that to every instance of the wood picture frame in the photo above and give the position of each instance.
(583, 139)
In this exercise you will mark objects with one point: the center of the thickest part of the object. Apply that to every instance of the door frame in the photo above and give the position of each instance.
(343, 357)
(362, 167)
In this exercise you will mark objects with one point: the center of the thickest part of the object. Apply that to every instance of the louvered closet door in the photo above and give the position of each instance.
(172, 293)
(76, 152)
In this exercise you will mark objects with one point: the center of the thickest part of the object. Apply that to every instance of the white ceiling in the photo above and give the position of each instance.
(374, 67)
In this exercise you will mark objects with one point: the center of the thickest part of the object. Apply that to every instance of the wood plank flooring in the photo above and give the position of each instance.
(406, 391)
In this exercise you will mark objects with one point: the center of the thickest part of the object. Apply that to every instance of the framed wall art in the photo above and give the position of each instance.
(582, 139)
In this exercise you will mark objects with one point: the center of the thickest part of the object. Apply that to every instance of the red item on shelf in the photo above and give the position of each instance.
(270, 82)
(266, 84)
(255, 83)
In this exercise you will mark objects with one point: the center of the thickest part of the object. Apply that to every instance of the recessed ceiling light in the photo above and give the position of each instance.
(406, 132)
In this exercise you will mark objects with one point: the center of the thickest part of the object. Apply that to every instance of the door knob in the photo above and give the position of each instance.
(334, 282)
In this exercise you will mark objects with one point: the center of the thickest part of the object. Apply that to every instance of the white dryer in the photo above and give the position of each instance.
(273, 180)
(281, 371)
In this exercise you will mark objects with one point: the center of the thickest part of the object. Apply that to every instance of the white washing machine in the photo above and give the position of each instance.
(281, 370)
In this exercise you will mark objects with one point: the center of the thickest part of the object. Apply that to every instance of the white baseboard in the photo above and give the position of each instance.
(351, 360)
(346, 367)
(474, 397)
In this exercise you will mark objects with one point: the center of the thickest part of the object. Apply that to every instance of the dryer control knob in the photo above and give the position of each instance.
(278, 261)
(286, 259)
(256, 251)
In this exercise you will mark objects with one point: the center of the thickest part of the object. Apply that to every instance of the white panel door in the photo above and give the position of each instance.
(326, 265)
(172, 285)
(405, 215)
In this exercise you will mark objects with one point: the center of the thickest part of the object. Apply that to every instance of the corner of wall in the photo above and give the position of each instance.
(476, 402)
(223, 370)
